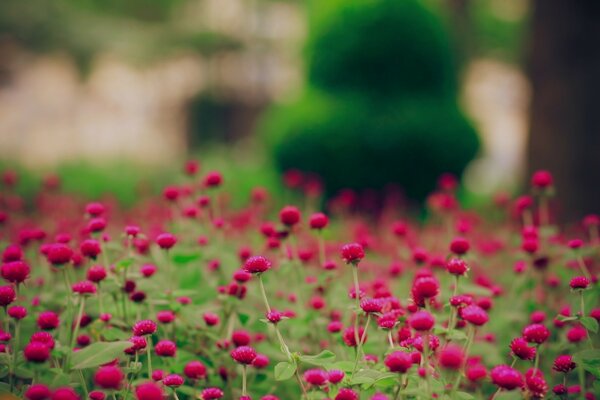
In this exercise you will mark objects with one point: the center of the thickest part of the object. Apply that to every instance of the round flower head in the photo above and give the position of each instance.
(318, 221)
(12, 252)
(398, 361)
(84, 288)
(352, 253)
(289, 216)
(564, 364)
(459, 246)
(36, 352)
(7, 295)
(213, 179)
(165, 348)
(17, 312)
(535, 383)
(506, 377)
(43, 337)
(47, 320)
(94, 209)
(474, 315)
(350, 338)
(536, 333)
(211, 394)
(144, 327)
(422, 321)
(90, 248)
(166, 240)
(371, 305)
(425, 287)
(457, 266)
(335, 376)
(173, 380)
(521, 349)
(65, 393)
(579, 283)
(148, 391)
(96, 273)
(316, 376)
(346, 394)
(451, 357)
(210, 319)
(15, 271)
(256, 265)
(38, 391)
(261, 361)
(96, 225)
(475, 372)
(109, 377)
(59, 254)
(541, 179)
(243, 355)
(195, 370)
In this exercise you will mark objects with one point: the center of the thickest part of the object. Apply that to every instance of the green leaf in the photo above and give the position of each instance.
(566, 319)
(23, 373)
(284, 371)
(464, 396)
(182, 258)
(345, 366)
(589, 360)
(112, 333)
(98, 354)
(590, 324)
(323, 358)
(243, 318)
(124, 263)
(455, 334)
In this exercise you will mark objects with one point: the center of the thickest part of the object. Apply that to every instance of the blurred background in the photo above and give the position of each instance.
(368, 95)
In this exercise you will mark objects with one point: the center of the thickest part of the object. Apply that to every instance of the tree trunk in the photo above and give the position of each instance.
(565, 111)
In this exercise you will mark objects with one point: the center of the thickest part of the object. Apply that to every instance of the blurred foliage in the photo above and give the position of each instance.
(382, 104)
(242, 166)
(138, 30)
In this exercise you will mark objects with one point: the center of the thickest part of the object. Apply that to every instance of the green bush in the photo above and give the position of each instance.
(352, 143)
(381, 48)
(381, 104)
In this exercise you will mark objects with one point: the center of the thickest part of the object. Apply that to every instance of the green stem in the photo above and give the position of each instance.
(357, 300)
(321, 248)
(83, 384)
(459, 375)
(426, 364)
(264, 293)
(360, 344)
(149, 354)
(244, 371)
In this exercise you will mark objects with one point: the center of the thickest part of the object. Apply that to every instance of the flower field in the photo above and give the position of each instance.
(183, 296)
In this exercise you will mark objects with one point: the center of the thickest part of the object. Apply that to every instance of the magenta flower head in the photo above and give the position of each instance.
(535, 383)
(352, 253)
(422, 321)
(84, 288)
(148, 391)
(459, 246)
(398, 361)
(195, 370)
(243, 355)
(289, 216)
(316, 376)
(7, 295)
(564, 364)
(165, 348)
(457, 266)
(166, 240)
(109, 377)
(144, 327)
(15, 271)
(94, 209)
(90, 248)
(542, 179)
(336, 376)
(36, 352)
(261, 361)
(211, 394)
(451, 357)
(96, 224)
(213, 179)
(371, 305)
(12, 252)
(318, 221)
(256, 264)
(425, 287)
(536, 333)
(96, 273)
(474, 315)
(579, 283)
(17, 312)
(506, 377)
(173, 380)
(38, 391)
(59, 254)
(138, 343)
(521, 349)
(48, 320)
(346, 394)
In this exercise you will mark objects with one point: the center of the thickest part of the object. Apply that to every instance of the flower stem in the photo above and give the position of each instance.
(357, 301)
(149, 354)
(244, 392)
(360, 344)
